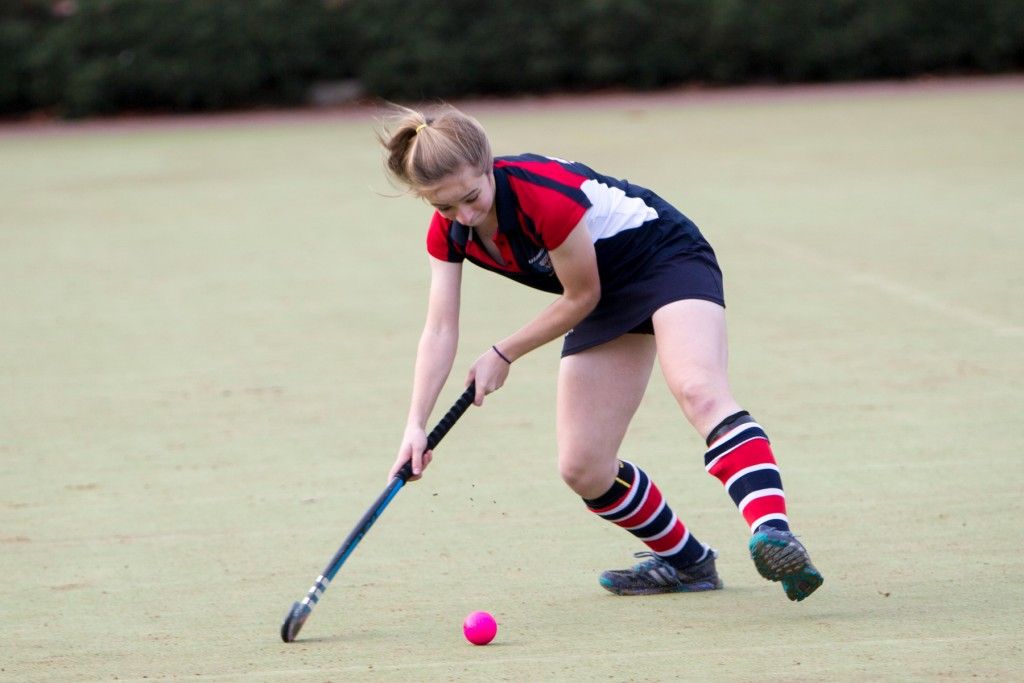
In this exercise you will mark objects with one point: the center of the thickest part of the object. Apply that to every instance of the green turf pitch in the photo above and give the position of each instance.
(206, 340)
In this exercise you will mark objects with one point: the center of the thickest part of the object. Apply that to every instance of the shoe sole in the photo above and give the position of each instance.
(786, 562)
(696, 587)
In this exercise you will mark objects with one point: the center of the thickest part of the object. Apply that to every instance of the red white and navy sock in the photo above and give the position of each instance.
(634, 503)
(740, 457)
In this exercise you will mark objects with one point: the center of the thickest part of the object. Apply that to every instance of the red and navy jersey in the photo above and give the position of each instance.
(539, 200)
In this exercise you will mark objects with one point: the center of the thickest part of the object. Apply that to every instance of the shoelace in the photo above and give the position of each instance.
(646, 565)
(762, 529)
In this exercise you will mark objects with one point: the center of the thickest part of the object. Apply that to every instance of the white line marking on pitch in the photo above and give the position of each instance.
(561, 657)
(904, 292)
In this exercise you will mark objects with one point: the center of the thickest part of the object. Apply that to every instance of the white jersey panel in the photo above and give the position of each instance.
(612, 211)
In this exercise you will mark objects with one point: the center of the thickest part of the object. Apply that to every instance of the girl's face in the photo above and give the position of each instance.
(466, 196)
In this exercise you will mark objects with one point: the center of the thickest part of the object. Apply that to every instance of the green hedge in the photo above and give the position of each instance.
(106, 56)
(412, 50)
(113, 55)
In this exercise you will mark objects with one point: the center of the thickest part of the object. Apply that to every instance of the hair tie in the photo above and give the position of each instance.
(501, 355)
(420, 127)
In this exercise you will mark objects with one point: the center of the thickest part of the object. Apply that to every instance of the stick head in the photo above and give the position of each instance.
(297, 616)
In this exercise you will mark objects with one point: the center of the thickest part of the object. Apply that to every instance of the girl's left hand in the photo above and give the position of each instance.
(489, 372)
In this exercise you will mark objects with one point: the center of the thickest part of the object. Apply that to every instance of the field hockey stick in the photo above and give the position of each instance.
(300, 611)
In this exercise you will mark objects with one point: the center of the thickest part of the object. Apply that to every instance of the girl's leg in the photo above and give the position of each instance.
(599, 390)
(693, 352)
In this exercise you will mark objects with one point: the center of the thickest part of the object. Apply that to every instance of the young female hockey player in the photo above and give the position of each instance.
(634, 280)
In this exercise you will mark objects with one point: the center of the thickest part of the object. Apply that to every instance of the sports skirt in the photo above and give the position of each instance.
(670, 275)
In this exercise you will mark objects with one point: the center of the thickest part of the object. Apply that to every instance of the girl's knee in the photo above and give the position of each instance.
(703, 399)
(587, 477)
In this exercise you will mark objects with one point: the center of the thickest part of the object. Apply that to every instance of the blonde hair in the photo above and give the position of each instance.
(421, 149)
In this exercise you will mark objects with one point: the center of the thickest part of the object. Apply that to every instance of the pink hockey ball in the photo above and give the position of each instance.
(479, 628)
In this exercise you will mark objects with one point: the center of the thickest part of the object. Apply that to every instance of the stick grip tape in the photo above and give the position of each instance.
(442, 427)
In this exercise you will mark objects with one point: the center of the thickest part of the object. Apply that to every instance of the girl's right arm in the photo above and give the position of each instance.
(434, 358)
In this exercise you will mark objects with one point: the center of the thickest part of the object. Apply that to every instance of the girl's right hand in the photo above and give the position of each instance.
(414, 444)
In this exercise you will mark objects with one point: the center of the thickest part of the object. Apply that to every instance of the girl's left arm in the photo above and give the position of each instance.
(575, 264)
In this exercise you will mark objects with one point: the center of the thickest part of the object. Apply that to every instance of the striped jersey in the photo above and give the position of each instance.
(539, 200)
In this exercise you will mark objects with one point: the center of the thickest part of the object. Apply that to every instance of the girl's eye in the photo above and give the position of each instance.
(468, 200)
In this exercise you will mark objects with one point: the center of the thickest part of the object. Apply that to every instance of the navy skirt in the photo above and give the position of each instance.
(670, 275)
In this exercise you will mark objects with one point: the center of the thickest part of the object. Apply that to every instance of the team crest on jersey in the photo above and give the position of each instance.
(541, 262)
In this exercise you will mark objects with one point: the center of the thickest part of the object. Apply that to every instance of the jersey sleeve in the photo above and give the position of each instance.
(551, 201)
(440, 245)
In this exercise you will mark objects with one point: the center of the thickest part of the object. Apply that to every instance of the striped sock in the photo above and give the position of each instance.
(740, 457)
(634, 503)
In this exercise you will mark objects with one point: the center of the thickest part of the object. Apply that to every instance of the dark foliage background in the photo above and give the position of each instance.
(89, 57)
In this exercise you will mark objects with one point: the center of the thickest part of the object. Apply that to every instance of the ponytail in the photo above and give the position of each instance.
(422, 149)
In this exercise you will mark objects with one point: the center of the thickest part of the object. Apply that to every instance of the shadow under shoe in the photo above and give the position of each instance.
(780, 556)
(655, 575)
